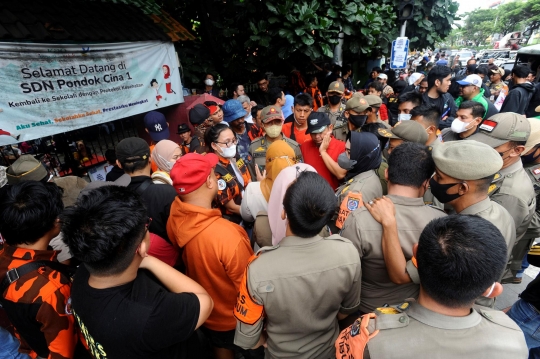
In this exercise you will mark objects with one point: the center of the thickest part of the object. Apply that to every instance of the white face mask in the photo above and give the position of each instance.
(459, 126)
(404, 117)
(208, 82)
(228, 152)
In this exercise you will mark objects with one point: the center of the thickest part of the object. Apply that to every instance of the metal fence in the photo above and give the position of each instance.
(74, 152)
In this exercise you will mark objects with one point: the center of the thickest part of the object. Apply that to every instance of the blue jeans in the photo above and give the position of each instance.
(528, 319)
(9, 346)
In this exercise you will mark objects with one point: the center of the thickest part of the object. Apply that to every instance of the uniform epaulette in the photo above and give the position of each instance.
(495, 184)
(496, 316)
(267, 249)
(392, 317)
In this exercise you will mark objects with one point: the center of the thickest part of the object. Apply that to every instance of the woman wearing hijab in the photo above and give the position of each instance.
(361, 157)
(279, 156)
(269, 227)
(164, 155)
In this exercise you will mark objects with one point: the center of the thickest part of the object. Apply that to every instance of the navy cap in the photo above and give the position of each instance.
(156, 124)
(317, 121)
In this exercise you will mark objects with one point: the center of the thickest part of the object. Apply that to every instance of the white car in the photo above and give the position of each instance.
(464, 56)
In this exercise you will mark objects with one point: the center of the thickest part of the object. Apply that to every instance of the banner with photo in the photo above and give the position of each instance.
(54, 88)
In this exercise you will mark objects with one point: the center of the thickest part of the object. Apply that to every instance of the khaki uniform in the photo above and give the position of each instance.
(366, 235)
(259, 146)
(338, 120)
(417, 332)
(498, 216)
(514, 191)
(366, 183)
(448, 135)
(287, 280)
(380, 172)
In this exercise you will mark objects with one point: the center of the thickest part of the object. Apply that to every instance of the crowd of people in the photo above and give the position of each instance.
(377, 222)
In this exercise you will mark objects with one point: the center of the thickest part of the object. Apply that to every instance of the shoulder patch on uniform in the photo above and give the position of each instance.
(240, 163)
(260, 149)
(492, 188)
(497, 177)
(228, 177)
(345, 189)
(388, 310)
(221, 184)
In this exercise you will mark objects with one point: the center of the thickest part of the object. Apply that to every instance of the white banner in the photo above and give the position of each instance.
(53, 88)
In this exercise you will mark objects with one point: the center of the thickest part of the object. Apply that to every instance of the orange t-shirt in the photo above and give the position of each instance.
(299, 135)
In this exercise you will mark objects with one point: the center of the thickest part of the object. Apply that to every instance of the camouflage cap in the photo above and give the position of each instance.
(409, 131)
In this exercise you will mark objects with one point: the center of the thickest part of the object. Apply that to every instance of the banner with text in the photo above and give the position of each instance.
(53, 88)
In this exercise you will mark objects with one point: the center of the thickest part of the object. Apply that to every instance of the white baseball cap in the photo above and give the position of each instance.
(382, 76)
(471, 80)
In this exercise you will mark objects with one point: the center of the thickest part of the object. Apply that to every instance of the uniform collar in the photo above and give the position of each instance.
(406, 201)
(477, 207)
(30, 254)
(511, 169)
(292, 241)
(436, 320)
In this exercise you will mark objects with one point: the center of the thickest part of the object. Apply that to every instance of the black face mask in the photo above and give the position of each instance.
(439, 191)
(358, 120)
(530, 158)
(334, 99)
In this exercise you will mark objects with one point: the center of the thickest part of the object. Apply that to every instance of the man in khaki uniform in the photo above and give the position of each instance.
(375, 103)
(272, 120)
(463, 173)
(410, 167)
(356, 112)
(361, 157)
(300, 288)
(335, 110)
(404, 131)
(459, 259)
(507, 133)
(530, 158)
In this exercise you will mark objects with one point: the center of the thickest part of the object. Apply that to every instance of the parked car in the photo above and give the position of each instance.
(464, 56)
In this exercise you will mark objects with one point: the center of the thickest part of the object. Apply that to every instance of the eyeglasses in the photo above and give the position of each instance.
(228, 143)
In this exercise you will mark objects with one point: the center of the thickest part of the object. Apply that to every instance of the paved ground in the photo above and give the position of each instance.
(511, 291)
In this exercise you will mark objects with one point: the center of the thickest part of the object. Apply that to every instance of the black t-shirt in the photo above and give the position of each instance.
(532, 293)
(140, 319)
(158, 199)
(115, 174)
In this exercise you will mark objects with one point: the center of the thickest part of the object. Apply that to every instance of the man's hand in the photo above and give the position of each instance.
(382, 210)
(260, 176)
(325, 143)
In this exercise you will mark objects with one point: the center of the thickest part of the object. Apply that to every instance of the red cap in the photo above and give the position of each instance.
(190, 171)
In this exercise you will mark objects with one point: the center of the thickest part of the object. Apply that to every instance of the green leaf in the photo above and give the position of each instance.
(332, 13)
(308, 40)
(299, 32)
(347, 29)
(254, 38)
(327, 51)
(271, 7)
(253, 28)
(365, 31)
(273, 20)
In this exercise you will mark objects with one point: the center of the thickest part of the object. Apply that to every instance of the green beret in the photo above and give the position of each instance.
(467, 160)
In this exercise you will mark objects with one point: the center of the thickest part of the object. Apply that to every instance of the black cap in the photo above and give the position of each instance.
(132, 149)
(316, 121)
(198, 114)
(182, 128)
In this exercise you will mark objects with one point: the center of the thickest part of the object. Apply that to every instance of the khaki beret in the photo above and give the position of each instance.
(26, 168)
(410, 131)
(467, 160)
(357, 104)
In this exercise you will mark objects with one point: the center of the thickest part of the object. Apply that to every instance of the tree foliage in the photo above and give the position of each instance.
(238, 37)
